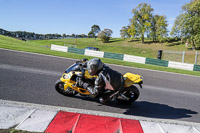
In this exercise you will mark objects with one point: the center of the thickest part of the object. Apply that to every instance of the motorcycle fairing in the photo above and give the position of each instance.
(131, 79)
(67, 79)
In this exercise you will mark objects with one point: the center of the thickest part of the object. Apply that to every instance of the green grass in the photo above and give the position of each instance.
(117, 46)
(13, 131)
(131, 47)
(40, 47)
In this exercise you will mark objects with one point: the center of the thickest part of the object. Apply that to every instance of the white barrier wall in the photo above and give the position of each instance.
(129, 58)
(135, 59)
(59, 48)
(94, 53)
(180, 65)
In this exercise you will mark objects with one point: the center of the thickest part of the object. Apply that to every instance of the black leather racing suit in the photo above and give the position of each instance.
(106, 75)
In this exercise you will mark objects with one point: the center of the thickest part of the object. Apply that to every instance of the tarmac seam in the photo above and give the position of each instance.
(25, 118)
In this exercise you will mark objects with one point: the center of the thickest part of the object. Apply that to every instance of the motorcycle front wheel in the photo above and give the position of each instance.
(59, 86)
(128, 95)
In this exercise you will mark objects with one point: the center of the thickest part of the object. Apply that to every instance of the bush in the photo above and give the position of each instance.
(105, 35)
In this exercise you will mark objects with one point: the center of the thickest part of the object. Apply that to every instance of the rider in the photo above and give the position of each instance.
(107, 78)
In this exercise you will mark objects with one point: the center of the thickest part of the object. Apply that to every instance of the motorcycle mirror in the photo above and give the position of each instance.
(84, 60)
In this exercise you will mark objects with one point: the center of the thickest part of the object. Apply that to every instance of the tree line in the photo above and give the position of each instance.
(145, 23)
(94, 33)
(24, 35)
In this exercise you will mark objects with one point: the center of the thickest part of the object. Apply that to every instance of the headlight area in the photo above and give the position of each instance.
(66, 76)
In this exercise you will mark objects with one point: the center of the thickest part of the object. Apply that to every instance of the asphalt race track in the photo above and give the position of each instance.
(30, 78)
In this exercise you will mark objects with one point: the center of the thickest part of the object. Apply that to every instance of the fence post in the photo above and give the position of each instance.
(183, 56)
(196, 58)
(159, 54)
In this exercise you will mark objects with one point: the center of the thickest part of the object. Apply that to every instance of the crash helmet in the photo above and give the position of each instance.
(94, 66)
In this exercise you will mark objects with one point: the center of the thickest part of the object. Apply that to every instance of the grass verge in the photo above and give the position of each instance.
(13, 131)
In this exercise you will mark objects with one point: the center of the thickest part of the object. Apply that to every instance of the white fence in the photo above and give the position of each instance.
(94, 53)
(129, 58)
(59, 48)
(180, 65)
(135, 59)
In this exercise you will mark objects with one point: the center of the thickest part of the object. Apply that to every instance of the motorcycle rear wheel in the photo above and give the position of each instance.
(59, 86)
(132, 93)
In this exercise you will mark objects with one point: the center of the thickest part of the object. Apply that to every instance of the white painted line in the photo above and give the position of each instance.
(38, 121)
(193, 130)
(170, 128)
(39, 54)
(151, 127)
(26, 118)
(12, 116)
(170, 90)
(198, 128)
(29, 70)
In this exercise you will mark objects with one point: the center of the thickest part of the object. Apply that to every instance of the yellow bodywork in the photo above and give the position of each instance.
(66, 78)
(131, 79)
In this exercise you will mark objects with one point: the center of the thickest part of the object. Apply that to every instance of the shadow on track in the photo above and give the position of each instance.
(155, 110)
(148, 109)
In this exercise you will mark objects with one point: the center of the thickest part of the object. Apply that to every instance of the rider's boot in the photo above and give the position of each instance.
(91, 90)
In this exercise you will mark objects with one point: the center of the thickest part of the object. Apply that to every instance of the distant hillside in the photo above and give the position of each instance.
(35, 36)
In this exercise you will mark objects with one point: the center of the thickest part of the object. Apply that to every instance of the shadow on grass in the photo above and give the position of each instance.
(134, 40)
(174, 44)
(115, 40)
(150, 42)
(197, 48)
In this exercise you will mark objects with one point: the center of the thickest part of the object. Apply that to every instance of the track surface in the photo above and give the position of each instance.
(30, 78)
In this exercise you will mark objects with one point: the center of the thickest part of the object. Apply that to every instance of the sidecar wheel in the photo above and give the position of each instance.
(59, 86)
(131, 93)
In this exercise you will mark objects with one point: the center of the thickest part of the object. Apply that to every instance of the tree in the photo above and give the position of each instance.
(154, 27)
(73, 35)
(159, 28)
(132, 31)
(95, 29)
(142, 15)
(176, 31)
(124, 32)
(83, 36)
(91, 34)
(105, 35)
(188, 23)
(64, 35)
